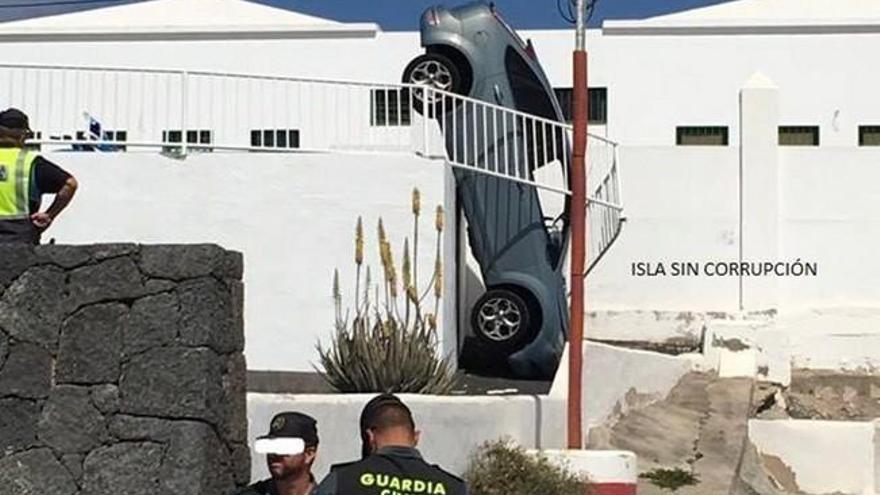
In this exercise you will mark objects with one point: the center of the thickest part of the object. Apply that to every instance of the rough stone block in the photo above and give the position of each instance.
(33, 306)
(129, 468)
(91, 345)
(139, 428)
(241, 463)
(35, 472)
(74, 465)
(121, 371)
(16, 259)
(208, 316)
(18, 425)
(234, 428)
(62, 256)
(106, 398)
(196, 461)
(70, 423)
(4, 348)
(100, 252)
(27, 372)
(116, 279)
(173, 382)
(154, 322)
(158, 286)
(190, 261)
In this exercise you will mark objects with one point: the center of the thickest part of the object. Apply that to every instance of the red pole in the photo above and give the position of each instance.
(578, 249)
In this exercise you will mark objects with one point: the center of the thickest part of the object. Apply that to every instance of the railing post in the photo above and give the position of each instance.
(425, 111)
(184, 109)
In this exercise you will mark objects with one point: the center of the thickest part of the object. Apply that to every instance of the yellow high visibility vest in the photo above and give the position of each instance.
(16, 166)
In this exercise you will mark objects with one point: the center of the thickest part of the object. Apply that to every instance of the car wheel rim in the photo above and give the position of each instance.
(433, 74)
(499, 319)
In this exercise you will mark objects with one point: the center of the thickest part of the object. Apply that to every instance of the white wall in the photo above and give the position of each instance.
(612, 375)
(681, 205)
(828, 205)
(452, 427)
(293, 216)
(825, 456)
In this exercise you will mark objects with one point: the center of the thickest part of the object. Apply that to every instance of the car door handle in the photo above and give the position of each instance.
(499, 96)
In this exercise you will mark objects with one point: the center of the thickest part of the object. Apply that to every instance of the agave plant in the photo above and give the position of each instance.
(389, 345)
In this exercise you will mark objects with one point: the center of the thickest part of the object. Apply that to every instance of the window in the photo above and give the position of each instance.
(799, 135)
(275, 138)
(597, 106)
(869, 135)
(701, 136)
(194, 136)
(119, 135)
(31, 145)
(390, 107)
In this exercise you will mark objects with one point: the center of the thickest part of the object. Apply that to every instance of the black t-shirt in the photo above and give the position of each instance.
(48, 179)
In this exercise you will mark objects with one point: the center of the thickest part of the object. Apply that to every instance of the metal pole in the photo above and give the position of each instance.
(578, 233)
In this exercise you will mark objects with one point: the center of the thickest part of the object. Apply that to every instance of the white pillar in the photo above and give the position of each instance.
(759, 188)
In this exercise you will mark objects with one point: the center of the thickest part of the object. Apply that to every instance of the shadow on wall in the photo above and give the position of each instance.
(121, 370)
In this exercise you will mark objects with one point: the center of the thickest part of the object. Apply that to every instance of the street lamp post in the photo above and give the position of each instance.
(578, 232)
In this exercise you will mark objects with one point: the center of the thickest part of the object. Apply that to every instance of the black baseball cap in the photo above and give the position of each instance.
(13, 118)
(289, 433)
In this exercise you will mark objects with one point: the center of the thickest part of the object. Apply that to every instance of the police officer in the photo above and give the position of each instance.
(290, 447)
(394, 466)
(24, 177)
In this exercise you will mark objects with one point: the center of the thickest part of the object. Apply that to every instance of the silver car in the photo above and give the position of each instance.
(521, 322)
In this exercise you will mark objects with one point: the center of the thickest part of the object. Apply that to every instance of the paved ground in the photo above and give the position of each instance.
(700, 428)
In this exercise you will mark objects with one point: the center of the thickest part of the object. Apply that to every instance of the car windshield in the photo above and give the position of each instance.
(528, 92)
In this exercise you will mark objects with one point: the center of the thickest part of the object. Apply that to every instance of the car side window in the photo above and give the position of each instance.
(528, 92)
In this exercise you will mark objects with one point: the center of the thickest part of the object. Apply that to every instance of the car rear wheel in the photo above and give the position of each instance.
(436, 71)
(503, 319)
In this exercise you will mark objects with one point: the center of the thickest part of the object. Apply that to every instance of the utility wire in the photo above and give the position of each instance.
(53, 3)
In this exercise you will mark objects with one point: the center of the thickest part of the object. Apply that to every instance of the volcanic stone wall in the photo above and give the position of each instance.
(121, 370)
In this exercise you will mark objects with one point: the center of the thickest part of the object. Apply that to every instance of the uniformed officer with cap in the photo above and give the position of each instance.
(24, 177)
(393, 465)
(290, 447)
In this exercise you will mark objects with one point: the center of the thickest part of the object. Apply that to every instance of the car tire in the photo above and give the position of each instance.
(435, 70)
(504, 320)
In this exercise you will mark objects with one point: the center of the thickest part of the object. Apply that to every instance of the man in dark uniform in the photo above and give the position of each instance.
(394, 466)
(290, 447)
(24, 178)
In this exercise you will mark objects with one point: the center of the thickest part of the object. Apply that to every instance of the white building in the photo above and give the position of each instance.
(744, 81)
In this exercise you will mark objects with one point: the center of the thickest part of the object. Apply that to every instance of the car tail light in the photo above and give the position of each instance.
(432, 18)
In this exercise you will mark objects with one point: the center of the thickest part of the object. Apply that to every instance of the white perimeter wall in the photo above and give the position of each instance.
(823, 456)
(292, 215)
(452, 427)
(682, 204)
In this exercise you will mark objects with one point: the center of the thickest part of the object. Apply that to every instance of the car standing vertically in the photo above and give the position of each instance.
(470, 50)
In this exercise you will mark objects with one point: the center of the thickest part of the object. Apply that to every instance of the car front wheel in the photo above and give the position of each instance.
(435, 71)
(503, 319)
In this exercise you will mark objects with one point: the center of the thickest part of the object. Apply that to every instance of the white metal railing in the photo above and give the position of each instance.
(180, 112)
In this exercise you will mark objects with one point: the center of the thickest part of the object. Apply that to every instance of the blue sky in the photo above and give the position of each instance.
(398, 15)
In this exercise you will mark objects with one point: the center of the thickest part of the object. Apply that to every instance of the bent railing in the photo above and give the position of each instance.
(112, 109)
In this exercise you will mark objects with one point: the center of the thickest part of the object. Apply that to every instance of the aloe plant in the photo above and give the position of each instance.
(389, 345)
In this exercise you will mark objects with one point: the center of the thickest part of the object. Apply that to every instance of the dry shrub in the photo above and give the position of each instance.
(503, 468)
